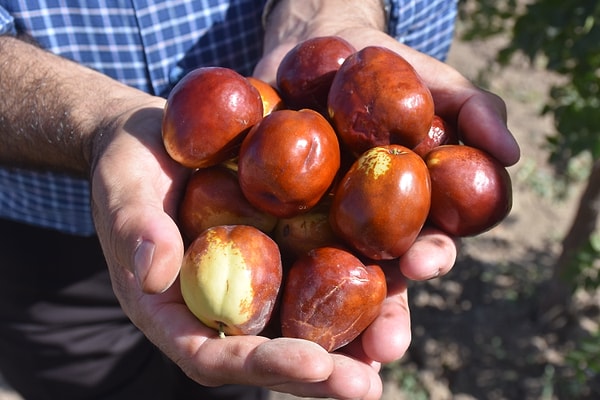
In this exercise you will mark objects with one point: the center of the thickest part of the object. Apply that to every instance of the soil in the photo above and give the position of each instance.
(477, 333)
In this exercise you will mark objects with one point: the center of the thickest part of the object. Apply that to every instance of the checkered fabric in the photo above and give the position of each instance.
(150, 45)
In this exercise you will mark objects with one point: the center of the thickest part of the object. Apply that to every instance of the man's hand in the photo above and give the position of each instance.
(480, 116)
(136, 189)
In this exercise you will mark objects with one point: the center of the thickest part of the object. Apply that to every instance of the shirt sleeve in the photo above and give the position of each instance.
(425, 25)
(7, 23)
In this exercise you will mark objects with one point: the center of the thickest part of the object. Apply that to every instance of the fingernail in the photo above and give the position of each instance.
(142, 259)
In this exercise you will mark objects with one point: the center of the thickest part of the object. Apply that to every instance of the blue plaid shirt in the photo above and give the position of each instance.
(150, 45)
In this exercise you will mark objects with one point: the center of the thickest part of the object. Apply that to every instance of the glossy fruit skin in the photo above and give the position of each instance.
(213, 197)
(301, 233)
(207, 115)
(440, 133)
(329, 297)
(230, 278)
(305, 73)
(377, 98)
(471, 191)
(382, 202)
(271, 99)
(288, 161)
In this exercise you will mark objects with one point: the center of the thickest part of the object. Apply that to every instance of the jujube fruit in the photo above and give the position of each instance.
(381, 204)
(330, 297)
(377, 98)
(288, 161)
(305, 73)
(213, 197)
(270, 97)
(301, 233)
(230, 279)
(207, 114)
(440, 133)
(471, 191)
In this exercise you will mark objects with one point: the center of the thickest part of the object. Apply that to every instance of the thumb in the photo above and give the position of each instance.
(135, 189)
(139, 237)
(157, 251)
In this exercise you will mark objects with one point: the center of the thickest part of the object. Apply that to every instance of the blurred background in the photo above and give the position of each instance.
(518, 316)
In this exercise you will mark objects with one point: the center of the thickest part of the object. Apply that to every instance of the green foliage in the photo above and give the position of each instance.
(566, 36)
(486, 18)
(584, 361)
(583, 271)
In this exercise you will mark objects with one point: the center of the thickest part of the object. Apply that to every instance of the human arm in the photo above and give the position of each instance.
(135, 189)
(52, 109)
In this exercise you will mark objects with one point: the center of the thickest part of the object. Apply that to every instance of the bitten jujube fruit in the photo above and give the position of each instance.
(207, 114)
(288, 161)
(230, 279)
(471, 191)
(381, 204)
(330, 297)
(377, 98)
(305, 73)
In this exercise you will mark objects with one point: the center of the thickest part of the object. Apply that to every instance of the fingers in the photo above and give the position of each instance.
(140, 237)
(433, 254)
(351, 379)
(154, 245)
(482, 124)
(255, 360)
(388, 337)
(283, 364)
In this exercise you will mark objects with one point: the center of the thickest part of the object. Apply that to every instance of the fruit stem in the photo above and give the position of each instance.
(221, 330)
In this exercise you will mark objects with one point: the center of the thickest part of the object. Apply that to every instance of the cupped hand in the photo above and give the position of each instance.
(135, 190)
(481, 120)
(479, 115)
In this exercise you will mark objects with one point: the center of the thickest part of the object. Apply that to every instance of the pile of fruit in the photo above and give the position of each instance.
(299, 194)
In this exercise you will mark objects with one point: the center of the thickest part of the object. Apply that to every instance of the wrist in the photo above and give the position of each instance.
(386, 6)
(292, 21)
(128, 114)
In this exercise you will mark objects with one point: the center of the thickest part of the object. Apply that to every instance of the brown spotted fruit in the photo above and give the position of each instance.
(377, 98)
(230, 279)
(207, 115)
(471, 191)
(330, 297)
(305, 73)
(288, 162)
(381, 204)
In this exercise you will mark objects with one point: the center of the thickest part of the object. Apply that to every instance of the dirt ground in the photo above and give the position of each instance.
(476, 334)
